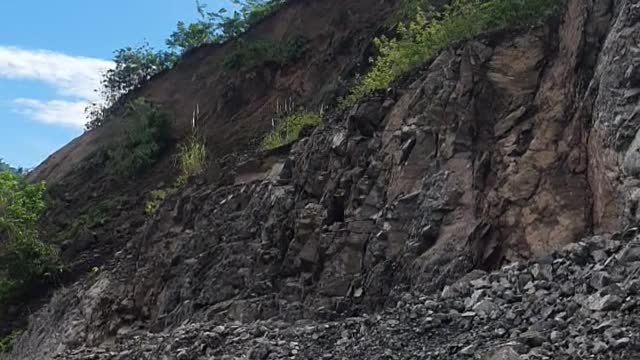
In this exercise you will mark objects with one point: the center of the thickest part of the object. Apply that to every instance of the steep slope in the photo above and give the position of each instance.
(504, 148)
(93, 213)
(236, 107)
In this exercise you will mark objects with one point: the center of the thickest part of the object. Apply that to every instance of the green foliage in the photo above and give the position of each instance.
(190, 36)
(90, 218)
(133, 66)
(6, 343)
(25, 261)
(147, 134)
(155, 201)
(248, 55)
(251, 11)
(215, 27)
(20, 205)
(423, 38)
(409, 8)
(288, 130)
(191, 159)
(6, 167)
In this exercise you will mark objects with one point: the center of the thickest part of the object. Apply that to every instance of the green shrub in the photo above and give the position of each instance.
(249, 55)
(147, 134)
(189, 36)
(6, 167)
(408, 9)
(8, 290)
(288, 130)
(422, 39)
(153, 204)
(25, 261)
(191, 159)
(6, 343)
(90, 218)
(21, 205)
(219, 26)
(133, 66)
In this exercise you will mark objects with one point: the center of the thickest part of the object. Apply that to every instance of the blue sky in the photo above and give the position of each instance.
(51, 56)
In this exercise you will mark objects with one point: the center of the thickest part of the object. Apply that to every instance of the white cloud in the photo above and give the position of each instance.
(71, 76)
(66, 113)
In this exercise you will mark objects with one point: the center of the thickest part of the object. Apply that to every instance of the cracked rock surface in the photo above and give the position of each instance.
(374, 237)
(543, 309)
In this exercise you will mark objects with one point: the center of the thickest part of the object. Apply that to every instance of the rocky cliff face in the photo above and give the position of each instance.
(506, 148)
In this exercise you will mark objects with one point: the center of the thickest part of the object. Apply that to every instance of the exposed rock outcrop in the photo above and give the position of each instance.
(555, 308)
(505, 148)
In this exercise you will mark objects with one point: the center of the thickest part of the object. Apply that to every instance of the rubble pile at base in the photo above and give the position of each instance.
(579, 303)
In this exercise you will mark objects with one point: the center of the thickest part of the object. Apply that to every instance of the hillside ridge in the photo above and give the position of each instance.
(484, 206)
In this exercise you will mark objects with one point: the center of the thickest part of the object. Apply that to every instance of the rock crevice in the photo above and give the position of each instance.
(509, 147)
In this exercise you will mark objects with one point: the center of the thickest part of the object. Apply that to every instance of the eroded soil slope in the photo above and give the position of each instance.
(504, 148)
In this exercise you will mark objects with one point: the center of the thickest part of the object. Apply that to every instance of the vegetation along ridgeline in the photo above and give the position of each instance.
(428, 33)
(134, 65)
